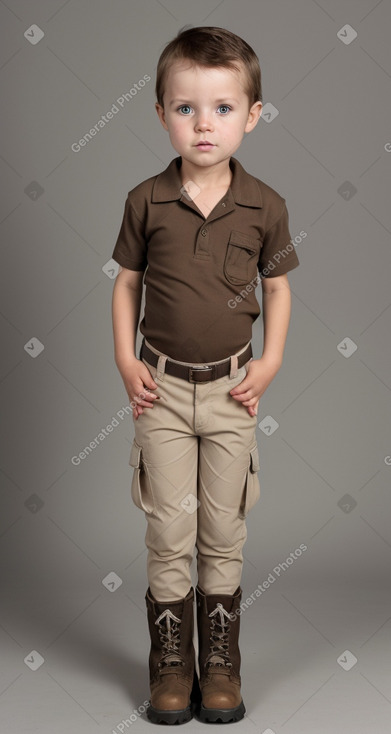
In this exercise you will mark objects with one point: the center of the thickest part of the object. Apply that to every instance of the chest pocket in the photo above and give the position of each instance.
(241, 258)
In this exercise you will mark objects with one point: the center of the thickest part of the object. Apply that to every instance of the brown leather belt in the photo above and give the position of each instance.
(196, 373)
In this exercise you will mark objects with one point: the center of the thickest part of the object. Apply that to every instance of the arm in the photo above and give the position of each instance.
(126, 303)
(276, 303)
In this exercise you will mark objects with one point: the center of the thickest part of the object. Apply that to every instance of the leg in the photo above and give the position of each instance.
(164, 456)
(228, 487)
(166, 452)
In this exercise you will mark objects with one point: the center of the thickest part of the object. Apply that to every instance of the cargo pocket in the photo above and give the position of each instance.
(252, 489)
(241, 258)
(141, 488)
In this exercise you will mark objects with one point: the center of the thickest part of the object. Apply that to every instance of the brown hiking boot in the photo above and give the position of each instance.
(219, 657)
(172, 659)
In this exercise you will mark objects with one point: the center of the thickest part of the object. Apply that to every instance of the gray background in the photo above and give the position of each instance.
(325, 472)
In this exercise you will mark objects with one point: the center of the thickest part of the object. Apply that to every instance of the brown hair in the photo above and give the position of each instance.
(215, 47)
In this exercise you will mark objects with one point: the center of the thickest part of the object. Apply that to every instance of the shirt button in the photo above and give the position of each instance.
(223, 204)
(204, 232)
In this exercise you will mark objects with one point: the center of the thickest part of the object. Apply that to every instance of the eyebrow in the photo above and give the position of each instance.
(217, 101)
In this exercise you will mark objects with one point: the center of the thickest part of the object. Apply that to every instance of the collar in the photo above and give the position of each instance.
(244, 187)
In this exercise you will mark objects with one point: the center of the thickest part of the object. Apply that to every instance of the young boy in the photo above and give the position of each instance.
(199, 232)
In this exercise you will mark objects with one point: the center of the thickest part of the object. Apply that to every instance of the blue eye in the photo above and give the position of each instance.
(184, 107)
(224, 106)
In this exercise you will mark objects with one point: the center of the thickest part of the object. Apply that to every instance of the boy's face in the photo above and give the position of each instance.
(206, 104)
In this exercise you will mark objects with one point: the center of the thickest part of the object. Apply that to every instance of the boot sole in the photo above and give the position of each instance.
(158, 716)
(221, 716)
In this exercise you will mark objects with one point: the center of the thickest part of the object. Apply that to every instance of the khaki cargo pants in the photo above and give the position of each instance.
(195, 462)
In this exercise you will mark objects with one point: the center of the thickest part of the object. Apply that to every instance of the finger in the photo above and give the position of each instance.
(145, 398)
(148, 395)
(137, 410)
(253, 402)
(243, 396)
(146, 391)
(241, 389)
(144, 403)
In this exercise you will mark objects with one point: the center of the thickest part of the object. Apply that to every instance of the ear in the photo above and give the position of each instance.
(161, 115)
(253, 116)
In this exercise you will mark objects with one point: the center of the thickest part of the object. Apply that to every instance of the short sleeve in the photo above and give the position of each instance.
(130, 250)
(278, 254)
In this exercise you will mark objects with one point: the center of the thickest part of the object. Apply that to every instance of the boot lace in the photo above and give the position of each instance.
(219, 630)
(168, 626)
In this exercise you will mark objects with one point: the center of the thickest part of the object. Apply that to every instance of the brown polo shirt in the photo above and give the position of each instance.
(201, 274)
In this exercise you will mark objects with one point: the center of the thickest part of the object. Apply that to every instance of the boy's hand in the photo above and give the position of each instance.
(138, 382)
(259, 376)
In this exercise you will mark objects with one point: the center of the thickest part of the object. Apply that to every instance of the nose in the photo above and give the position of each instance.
(204, 121)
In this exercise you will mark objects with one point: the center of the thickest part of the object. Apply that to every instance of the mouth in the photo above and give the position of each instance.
(205, 145)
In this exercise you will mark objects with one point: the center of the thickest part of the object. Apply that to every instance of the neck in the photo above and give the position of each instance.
(210, 177)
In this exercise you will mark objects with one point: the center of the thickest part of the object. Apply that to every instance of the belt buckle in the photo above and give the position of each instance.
(201, 369)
